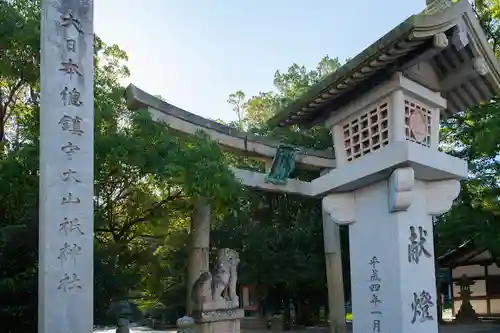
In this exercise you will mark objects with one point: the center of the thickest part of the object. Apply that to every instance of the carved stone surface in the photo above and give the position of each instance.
(440, 196)
(393, 248)
(340, 207)
(283, 165)
(401, 184)
(440, 41)
(66, 237)
(207, 291)
(223, 320)
(480, 66)
(218, 315)
(418, 126)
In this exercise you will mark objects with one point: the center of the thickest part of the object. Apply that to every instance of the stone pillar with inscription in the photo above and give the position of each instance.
(390, 182)
(65, 293)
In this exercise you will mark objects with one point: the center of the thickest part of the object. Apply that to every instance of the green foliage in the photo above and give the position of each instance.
(18, 240)
(145, 181)
(237, 102)
(298, 79)
(280, 236)
(19, 64)
(280, 239)
(19, 40)
(147, 178)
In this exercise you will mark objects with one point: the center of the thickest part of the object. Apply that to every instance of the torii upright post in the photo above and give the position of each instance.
(334, 273)
(199, 247)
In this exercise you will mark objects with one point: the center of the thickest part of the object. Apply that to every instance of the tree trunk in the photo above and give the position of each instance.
(299, 312)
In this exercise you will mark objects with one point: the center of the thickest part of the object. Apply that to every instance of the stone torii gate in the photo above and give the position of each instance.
(260, 148)
(388, 179)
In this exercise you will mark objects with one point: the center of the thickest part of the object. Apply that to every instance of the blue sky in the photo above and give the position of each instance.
(195, 53)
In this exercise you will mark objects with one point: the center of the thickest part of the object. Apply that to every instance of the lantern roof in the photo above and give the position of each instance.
(442, 48)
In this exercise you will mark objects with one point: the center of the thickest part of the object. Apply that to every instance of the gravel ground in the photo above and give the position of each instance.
(485, 328)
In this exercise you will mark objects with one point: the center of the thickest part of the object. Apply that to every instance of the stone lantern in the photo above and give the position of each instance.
(383, 109)
(466, 313)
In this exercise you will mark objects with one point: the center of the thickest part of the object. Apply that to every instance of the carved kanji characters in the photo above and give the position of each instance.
(71, 97)
(68, 283)
(69, 226)
(69, 149)
(70, 199)
(71, 68)
(71, 124)
(68, 20)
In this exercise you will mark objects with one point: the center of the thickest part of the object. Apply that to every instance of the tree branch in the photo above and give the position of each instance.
(103, 230)
(5, 116)
(147, 215)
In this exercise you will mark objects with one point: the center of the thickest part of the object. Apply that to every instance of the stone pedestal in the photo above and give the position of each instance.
(466, 314)
(215, 299)
(123, 325)
(391, 250)
(218, 321)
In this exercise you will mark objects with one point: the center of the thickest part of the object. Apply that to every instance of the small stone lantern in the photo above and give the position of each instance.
(466, 313)
(123, 313)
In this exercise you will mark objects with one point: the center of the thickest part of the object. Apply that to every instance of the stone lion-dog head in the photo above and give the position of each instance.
(228, 258)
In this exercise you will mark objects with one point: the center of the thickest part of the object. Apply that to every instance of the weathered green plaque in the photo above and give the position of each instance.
(283, 165)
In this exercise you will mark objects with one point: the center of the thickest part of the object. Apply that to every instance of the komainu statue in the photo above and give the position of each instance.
(210, 287)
